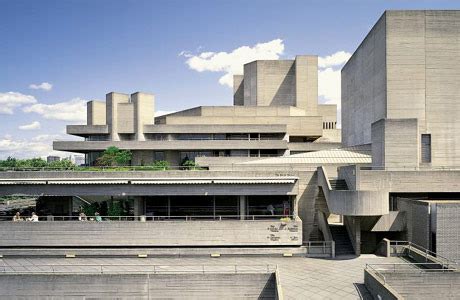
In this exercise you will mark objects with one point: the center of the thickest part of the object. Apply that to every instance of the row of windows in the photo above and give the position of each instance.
(329, 125)
(215, 136)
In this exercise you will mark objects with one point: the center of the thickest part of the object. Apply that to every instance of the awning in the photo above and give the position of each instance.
(15, 182)
(169, 182)
(88, 182)
(254, 181)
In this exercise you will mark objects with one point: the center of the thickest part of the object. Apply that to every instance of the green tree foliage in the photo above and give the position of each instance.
(113, 156)
(190, 165)
(160, 165)
(62, 164)
(33, 163)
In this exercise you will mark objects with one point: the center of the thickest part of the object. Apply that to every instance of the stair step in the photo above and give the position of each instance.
(342, 241)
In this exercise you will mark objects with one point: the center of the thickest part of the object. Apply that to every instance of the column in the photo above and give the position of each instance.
(242, 207)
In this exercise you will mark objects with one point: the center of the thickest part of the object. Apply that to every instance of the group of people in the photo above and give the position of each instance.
(82, 217)
(33, 218)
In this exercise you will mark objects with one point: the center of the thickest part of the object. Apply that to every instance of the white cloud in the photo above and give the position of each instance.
(329, 77)
(46, 86)
(329, 85)
(73, 110)
(32, 126)
(46, 137)
(10, 100)
(337, 59)
(39, 146)
(232, 62)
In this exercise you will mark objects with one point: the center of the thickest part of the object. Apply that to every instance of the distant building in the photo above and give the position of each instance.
(51, 158)
(78, 160)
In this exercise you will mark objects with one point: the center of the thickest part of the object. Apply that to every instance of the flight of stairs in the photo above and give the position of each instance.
(338, 184)
(342, 241)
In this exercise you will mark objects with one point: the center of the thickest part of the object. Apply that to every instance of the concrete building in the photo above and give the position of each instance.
(396, 175)
(51, 158)
(275, 113)
(400, 97)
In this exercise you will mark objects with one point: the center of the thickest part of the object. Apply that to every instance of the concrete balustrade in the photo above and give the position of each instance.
(152, 234)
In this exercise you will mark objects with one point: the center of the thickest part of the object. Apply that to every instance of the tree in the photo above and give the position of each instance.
(10, 162)
(160, 165)
(61, 164)
(113, 156)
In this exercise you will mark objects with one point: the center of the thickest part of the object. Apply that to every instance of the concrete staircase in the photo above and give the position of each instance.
(338, 184)
(342, 241)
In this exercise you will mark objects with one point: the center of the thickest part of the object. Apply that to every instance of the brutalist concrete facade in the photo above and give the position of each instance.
(400, 95)
(279, 94)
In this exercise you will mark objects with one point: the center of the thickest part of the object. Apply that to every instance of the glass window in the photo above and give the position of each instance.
(426, 148)
(158, 155)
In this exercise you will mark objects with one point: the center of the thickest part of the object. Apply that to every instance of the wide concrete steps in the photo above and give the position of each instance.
(342, 241)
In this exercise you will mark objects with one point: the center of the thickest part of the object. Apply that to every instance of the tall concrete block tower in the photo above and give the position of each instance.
(144, 107)
(279, 83)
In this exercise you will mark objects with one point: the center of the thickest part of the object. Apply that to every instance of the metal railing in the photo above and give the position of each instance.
(383, 168)
(320, 247)
(405, 268)
(227, 167)
(427, 254)
(144, 218)
(135, 269)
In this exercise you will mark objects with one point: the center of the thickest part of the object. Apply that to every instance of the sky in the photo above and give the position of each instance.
(57, 54)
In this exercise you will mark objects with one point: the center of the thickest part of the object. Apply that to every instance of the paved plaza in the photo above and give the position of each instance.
(300, 278)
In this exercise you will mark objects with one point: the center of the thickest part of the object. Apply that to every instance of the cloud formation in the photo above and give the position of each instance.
(10, 100)
(329, 77)
(46, 86)
(39, 146)
(232, 62)
(73, 110)
(337, 59)
(32, 126)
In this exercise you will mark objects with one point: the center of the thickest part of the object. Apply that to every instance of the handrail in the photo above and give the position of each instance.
(426, 252)
(52, 218)
(141, 269)
(412, 268)
(403, 168)
(136, 168)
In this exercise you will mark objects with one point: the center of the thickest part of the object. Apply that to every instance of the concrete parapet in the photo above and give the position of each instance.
(153, 234)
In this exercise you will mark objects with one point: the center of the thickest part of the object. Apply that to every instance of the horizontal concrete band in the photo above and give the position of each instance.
(148, 189)
(165, 233)
(170, 145)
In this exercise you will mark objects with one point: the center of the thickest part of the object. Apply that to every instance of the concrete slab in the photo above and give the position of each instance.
(300, 278)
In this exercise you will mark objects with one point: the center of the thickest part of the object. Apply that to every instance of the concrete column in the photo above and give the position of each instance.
(214, 206)
(144, 106)
(242, 207)
(112, 100)
(169, 206)
(306, 73)
(139, 208)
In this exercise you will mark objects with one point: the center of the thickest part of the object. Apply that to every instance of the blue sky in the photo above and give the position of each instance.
(86, 48)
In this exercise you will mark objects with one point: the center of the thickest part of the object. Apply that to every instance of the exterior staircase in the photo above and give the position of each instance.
(342, 241)
(338, 184)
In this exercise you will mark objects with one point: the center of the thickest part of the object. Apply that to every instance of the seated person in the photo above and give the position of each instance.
(82, 217)
(98, 217)
(33, 218)
(17, 217)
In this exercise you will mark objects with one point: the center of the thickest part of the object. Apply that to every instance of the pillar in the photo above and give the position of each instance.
(138, 203)
(242, 207)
